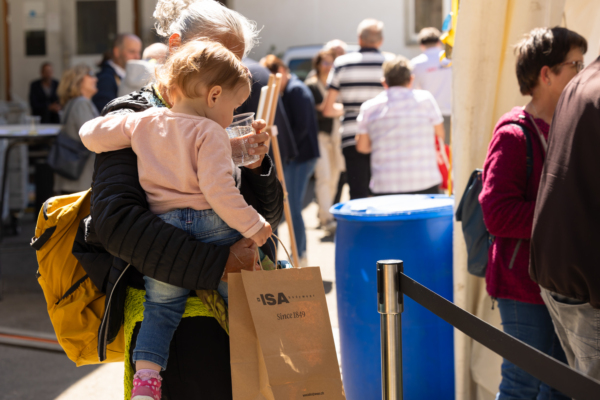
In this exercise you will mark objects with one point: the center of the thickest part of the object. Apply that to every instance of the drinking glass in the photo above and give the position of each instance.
(33, 121)
(239, 132)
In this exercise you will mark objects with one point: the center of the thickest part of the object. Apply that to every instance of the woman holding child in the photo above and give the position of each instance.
(203, 83)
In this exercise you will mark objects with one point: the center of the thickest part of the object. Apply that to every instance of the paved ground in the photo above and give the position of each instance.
(27, 374)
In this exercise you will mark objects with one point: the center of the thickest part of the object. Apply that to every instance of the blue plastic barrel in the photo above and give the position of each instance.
(418, 230)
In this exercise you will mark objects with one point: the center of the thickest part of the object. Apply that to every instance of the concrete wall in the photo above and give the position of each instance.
(284, 23)
(24, 68)
(61, 36)
(294, 23)
(146, 22)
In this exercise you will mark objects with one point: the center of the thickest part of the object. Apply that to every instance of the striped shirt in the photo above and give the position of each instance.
(400, 125)
(357, 78)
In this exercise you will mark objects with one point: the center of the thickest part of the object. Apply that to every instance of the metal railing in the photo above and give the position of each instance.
(392, 285)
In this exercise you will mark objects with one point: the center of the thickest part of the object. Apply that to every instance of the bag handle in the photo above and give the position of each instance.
(275, 245)
(284, 248)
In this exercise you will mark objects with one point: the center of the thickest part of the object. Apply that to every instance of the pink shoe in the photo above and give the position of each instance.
(146, 385)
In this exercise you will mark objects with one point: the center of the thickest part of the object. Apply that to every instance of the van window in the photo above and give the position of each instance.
(301, 67)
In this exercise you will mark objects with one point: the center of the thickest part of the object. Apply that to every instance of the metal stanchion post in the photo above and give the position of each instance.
(390, 306)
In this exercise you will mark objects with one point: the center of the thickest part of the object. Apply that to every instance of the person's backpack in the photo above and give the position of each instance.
(75, 305)
(469, 212)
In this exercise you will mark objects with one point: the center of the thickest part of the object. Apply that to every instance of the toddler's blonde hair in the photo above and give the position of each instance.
(199, 64)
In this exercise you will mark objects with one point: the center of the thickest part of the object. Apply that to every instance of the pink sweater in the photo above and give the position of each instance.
(184, 161)
(508, 201)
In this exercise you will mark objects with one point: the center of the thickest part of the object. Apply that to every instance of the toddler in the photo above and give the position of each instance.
(185, 167)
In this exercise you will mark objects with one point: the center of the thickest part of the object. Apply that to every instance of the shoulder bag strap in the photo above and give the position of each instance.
(529, 163)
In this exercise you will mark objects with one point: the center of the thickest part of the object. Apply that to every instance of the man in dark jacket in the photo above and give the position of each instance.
(565, 261)
(112, 70)
(300, 109)
(260, 78)
(43, 99)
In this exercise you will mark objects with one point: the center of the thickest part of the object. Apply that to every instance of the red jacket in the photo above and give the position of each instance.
(508, 202)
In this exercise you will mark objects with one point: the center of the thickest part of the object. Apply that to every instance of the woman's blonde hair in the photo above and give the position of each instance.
(70, 83)
(201, 64)
(209, 19)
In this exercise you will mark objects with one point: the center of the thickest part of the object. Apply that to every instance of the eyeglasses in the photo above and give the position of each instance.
(579, 65)
(91, 73)
(326, 63)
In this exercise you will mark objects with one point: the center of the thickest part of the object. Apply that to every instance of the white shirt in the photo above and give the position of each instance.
(118, 69)
(400, 124)
(434, 76)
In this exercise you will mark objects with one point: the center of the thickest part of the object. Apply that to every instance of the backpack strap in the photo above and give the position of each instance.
(529, 164)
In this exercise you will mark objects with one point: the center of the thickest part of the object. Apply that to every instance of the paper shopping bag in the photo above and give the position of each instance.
(282, 345)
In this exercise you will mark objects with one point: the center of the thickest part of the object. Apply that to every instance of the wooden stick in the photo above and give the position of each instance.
(273, 95)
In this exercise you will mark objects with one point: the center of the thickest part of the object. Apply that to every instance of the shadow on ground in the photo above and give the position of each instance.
(28, 374)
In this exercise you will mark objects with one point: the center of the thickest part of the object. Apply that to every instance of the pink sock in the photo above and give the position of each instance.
(145, 374)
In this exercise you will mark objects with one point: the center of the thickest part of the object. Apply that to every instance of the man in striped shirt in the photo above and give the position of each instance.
(354, 79)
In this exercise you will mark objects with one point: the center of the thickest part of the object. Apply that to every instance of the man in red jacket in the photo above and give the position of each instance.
(565, 260)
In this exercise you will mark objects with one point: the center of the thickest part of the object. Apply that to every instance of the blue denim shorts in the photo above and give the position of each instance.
(204, 225)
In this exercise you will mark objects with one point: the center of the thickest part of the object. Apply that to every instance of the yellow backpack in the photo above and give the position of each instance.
(75, 304)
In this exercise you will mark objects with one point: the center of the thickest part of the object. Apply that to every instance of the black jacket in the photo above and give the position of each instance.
(108, 86)
(39, 101)
(122, 231)
(260, 78)
(300, 109)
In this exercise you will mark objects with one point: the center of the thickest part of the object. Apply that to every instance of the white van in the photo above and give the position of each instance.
(299, 58)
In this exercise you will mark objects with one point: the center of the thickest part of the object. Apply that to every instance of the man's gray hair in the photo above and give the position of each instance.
(195, 19)
(370, 31)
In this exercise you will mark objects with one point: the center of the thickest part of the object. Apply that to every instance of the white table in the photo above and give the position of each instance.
(22, 131)
(20, 134)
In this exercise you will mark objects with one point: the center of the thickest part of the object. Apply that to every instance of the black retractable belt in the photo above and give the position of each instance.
(545, 368)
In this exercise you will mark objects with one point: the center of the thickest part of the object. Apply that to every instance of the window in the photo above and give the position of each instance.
(35, 43)
(96, 26)
(423, 13)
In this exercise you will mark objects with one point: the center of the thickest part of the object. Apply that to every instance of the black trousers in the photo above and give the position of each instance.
(358, 170)
(198, 365)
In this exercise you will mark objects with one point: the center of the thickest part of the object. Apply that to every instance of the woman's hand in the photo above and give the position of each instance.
(262, 139)
(242, 255)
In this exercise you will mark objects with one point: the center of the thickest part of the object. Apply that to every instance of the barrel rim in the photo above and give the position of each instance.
(360, 215)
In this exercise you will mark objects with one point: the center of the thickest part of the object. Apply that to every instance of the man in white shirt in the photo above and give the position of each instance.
(398, 129)
(433, 74)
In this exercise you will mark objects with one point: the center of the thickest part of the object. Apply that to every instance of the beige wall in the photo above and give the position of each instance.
(2, 64)
(24, 69)
(285, 23)
(146, 21)
(60, 40)
(485, 87)
(321, 21)
(293, 23)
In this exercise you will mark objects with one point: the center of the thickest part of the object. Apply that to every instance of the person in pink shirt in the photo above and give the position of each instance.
(547, 59)
(186, 169)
